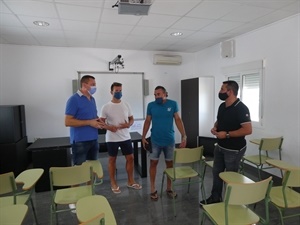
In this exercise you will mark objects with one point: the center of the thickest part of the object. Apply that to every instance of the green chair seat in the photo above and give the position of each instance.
(292, 197)
(217, 214)
(256, 159)
(13, 214)
(181, 172)
(9, 200)
(71, 195)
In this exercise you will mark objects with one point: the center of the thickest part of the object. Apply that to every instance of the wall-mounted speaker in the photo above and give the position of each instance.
(228, 49)
(146, 87)
(74, 86)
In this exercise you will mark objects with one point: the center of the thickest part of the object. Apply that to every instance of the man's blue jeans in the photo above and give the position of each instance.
(228, 160)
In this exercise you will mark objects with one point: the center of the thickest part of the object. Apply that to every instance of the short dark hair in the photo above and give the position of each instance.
(115, 84)
(232, 85)
(163, 89)
(86, 79)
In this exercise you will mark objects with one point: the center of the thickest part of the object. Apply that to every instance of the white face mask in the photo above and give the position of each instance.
(92, 90)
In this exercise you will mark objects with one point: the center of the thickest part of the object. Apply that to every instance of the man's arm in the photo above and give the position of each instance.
(145, 129)
(215, 128)
(127, 124)
(246, 129)
(181, 129)
(71, 121)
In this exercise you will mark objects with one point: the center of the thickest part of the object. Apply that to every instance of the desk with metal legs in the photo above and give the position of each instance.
(49, 152)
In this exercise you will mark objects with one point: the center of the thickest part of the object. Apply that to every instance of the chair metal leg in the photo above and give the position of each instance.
(174, 207)
(34, 213)
(202, 183)
(203, 218)
(189, 186)
(259, 169)
(162, 184)
(53, 215)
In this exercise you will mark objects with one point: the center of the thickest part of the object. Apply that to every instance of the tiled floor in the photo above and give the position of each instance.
(134, 207)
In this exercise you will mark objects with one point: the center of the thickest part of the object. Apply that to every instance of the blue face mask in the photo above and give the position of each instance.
(118, 95)
(159, 100)
(93, 90)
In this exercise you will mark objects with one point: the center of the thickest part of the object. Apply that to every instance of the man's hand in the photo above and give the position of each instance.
(96, 123)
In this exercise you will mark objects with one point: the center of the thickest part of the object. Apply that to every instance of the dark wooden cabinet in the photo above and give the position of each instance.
(13, 139)
(189, 109)
(12, 123)
(197, 107)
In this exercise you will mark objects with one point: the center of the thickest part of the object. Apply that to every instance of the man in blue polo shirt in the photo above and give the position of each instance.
(232, 125)
(81, 117)
(162, 113)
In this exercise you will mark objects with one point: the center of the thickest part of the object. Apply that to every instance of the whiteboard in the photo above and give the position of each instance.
(132, 89)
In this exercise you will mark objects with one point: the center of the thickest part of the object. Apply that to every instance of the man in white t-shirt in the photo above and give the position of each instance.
(118, 118)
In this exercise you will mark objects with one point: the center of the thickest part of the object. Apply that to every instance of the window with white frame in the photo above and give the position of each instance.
(249, 78)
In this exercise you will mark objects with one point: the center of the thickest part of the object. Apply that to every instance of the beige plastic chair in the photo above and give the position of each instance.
(97, 170)
(13, 214)
(266, 146)
(234, 209)
(284, 197)
(11, 195)
(95, 210)
(187, 166)
(76, 183)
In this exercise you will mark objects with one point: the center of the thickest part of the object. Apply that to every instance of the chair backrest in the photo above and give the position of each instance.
(71, 175)
(97, 167)
(247, 193)
(270, 144)
(188, 155)
(91, 209)
(291, 178)
(7, 183)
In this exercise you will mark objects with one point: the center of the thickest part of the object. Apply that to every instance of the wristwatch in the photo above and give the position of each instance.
(227, 134)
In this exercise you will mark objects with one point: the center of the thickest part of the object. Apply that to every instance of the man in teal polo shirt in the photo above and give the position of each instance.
(162, 112)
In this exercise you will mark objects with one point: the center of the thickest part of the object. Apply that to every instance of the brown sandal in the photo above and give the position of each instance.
(154, 196)
(171, 193)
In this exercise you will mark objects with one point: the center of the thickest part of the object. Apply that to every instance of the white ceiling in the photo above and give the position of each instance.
(95, 24)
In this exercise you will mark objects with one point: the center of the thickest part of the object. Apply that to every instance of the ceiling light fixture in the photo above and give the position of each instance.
(41, 23)
(176, 34)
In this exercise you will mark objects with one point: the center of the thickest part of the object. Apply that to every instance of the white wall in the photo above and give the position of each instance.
(279, 45)
(41, 79)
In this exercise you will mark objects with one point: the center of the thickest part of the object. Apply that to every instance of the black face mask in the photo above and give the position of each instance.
(223, 96)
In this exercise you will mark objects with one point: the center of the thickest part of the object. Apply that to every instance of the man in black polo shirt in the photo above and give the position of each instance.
(232, 125)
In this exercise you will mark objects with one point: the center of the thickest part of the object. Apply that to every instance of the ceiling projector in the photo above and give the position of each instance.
(134, 7)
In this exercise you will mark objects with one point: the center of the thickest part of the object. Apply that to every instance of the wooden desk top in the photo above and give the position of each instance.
(29, 178)
(234, 177)
(282, 164)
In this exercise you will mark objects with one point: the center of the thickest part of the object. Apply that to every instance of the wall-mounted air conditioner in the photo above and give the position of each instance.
(167, 59)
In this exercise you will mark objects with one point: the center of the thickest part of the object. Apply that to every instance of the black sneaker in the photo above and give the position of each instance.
(210, 200)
